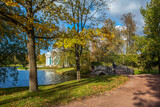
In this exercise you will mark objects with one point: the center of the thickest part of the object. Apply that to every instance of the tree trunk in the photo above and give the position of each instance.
(77, 61)
(63, 66)
(78, 68)
(159, 64)
(33, 84)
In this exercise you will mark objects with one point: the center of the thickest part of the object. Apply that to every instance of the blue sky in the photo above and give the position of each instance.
(119, 7)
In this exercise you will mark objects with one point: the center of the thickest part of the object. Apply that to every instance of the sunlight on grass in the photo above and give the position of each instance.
(23, 68)
(65, 70)
(60, 93)
(140, 71)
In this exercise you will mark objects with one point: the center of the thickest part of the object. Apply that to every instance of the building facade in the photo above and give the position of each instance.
(49, 59)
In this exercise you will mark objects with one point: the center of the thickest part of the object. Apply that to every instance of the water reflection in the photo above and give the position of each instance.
(44, 78)
(8, 75)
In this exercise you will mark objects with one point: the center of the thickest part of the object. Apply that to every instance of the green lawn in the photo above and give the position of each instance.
(60, 93)
(85, 72)
(23, 68)
(139, 71)
(67, 71)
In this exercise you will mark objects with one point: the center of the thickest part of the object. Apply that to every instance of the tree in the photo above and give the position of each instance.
(150, 43)
(128, 20)
(12, 51)
(117, 43)
(102, 49)
(41, 59)
(82, 13)
(24, 15)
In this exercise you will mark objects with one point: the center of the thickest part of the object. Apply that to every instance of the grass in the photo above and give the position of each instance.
(67, 71)
(23, 68)
(60, 93)
(15, 65)
(85, 72)
(140, 71)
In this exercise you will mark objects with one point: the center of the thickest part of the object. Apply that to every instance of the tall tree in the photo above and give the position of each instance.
(150, 47)
(128, 20)
(82, 13)
(28, 17)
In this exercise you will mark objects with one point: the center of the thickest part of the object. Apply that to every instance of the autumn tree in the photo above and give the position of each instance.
(150, 43)
(41, 59)
(129, 22)
(117, 43)
(34, 24)
(82, 13)
(102, 48)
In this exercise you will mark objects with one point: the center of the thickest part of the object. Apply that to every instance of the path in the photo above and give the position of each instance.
(140, 91)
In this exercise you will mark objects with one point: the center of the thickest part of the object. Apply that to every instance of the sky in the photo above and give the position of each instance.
(119, 7)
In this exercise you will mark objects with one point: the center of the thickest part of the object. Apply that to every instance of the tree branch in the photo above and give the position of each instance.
(39, 7)
(10, 19)
(19, 2)
(41, 37)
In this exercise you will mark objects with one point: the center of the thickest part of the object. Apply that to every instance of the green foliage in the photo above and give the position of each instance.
(12, 49)
(96, 63)
(122, 59)
(129, 60)
(62, 93)
(149, 44)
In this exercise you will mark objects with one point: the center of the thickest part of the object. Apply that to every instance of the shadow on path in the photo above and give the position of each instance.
(150, 97)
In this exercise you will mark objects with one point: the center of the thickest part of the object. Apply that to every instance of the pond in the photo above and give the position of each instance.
(45, 77)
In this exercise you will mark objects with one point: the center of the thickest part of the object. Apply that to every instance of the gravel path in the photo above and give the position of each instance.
(140, 91)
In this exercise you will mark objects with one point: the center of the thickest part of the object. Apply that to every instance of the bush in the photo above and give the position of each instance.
(123, 59)
(96, 63)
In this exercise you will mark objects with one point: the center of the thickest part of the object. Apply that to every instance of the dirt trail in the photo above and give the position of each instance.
(140, 91)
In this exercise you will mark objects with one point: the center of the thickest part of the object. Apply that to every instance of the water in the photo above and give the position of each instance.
(45, 77)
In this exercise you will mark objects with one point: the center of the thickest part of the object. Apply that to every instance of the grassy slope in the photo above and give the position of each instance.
(67, 71)
(59, 93)
(139, 71)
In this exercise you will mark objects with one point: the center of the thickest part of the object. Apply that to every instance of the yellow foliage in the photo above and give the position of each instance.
(82, 38)
(10, 3)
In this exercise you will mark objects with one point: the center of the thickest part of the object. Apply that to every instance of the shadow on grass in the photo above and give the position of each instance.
(8, 91)
(56, 93)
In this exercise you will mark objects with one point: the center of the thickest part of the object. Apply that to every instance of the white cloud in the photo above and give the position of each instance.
(120, 27)
(120, 7)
